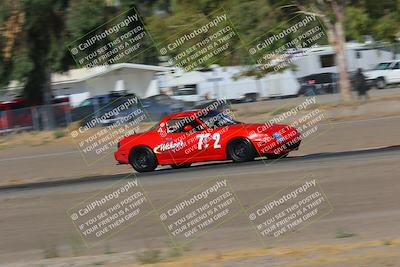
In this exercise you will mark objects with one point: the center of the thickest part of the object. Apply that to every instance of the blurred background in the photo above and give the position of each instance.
(42, 87)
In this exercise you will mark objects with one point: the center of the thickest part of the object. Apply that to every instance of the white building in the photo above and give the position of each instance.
(80, 84)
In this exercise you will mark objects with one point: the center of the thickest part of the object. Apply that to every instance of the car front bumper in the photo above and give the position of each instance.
(121, 156)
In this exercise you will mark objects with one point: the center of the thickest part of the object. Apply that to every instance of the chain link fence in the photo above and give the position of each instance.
(35, 118)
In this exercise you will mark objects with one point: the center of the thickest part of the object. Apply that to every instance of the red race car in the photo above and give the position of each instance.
(204, 135)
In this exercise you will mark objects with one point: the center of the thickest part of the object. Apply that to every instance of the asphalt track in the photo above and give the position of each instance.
(362, 186)
(215, 167)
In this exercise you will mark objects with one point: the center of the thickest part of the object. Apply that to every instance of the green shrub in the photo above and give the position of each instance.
(149, 256)
(50, 251)
(341, 233)
(59, 133)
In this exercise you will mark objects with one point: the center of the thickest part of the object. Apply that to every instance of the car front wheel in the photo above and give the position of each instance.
(380, 83)
(241, 150)
(143, 159)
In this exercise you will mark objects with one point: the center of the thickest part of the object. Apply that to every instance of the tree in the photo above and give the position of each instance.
(34, 35)
(11, 24)
(357, 23)
(332, 13)
(43, 35)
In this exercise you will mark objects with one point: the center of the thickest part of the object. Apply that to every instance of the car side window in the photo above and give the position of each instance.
(396, 66)
(176, 125)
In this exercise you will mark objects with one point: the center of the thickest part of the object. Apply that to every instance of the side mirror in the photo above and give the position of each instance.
(187, 128)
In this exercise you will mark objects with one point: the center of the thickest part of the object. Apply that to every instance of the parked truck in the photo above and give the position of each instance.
(384, 73)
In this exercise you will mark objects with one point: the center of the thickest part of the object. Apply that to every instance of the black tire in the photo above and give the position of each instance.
(277, 156)
(181, 166)
(143, 159)
(380, 83)
(241, 150)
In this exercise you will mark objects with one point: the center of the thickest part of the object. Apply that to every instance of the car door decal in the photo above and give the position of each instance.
(204, 141)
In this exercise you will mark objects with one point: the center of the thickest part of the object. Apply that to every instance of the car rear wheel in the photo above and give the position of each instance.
(143, 159)
(241, 150)
(181, 166)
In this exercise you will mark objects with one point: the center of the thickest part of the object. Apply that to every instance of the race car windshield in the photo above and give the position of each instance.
(215, 119)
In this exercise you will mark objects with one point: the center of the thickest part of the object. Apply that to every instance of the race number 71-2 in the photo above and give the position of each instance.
(203, 140)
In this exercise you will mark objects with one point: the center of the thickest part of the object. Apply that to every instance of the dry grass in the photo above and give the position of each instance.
(57, 136)
(27, 139)
(344, 254)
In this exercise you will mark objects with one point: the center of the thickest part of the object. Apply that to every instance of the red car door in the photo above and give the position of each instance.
(209, 144)
(219, 130)
(179, 143)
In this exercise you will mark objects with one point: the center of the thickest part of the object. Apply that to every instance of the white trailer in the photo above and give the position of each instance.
(228, 83)
(322, 59)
